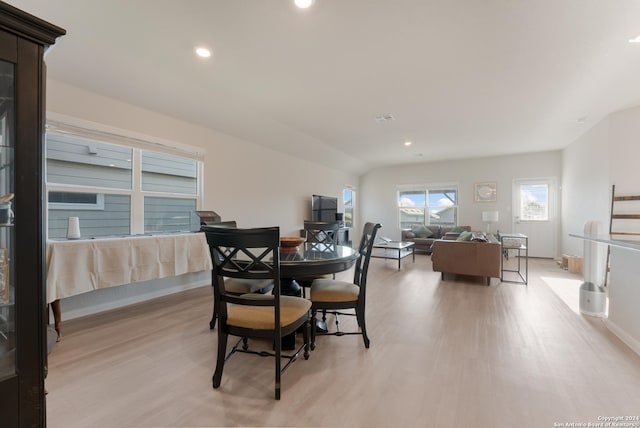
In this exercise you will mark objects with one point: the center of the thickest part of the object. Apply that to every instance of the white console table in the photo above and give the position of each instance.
(624, 288)
(83, 265)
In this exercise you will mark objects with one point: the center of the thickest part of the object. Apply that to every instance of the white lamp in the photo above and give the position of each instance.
(490, 217)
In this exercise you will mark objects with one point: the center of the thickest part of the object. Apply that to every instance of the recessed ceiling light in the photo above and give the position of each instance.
(407, 143)
(203, 52)
(636, 39)
(303, 4)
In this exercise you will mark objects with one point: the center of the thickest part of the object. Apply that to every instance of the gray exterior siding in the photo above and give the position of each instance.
(88, 163)
(152, 182)
(61, 172)
(113, 220)
(169, 164)
(78, 161)
(167, 173)
(167, 214)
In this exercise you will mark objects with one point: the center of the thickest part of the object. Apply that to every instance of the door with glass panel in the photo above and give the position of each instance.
(534, 214)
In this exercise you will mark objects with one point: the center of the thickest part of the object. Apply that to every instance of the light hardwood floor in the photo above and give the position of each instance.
(452, 353)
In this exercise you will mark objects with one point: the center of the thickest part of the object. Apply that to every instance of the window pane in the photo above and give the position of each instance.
(443, 216)
(440, 205)
(411, 198)
(168, 173)
(79, 161)
(167, 214)
(534, 202)
(347, 196)
(443, 198)
(411, 217)
(113, 219)
(73, 198)
(76, 201)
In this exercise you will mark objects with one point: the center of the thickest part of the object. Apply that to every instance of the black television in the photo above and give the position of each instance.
(324, 208)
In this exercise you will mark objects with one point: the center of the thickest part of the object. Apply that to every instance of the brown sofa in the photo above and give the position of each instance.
(467, 257)
(439, 232)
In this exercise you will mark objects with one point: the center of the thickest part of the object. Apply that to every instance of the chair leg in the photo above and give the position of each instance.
(363, 327)
(278, 346)
(314, 322)
(222, 352)
(212, 323)
(305, 335)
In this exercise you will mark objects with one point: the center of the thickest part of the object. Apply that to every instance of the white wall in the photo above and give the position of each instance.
(378, 188)
(605, 155)
(586, 192)
(624, 159)
(243, 181)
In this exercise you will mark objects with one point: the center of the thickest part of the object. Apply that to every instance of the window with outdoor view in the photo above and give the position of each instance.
(436, 205)
(534, 202)
(348, 196)
(117, 189)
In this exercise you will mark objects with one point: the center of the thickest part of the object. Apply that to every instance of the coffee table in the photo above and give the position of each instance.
(394, 250)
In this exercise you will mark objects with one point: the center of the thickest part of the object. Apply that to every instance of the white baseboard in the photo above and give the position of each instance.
(108, 299)
(630, 341)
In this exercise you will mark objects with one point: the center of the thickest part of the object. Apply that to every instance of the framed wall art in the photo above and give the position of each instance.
(486, 191)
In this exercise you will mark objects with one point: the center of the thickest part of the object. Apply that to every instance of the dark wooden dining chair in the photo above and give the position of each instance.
(324, 232)
(253, 254)
(236, 286)
(325, 235)
(333, 295)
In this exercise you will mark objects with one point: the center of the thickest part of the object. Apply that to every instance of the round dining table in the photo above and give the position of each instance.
(312, 259)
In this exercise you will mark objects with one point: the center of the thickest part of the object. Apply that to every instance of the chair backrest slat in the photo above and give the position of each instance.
(321, 232)
(246, 254)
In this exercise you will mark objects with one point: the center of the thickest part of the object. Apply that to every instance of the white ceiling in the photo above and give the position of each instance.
(463, 78)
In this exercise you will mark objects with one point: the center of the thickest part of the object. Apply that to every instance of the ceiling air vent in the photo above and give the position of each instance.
(385, 118)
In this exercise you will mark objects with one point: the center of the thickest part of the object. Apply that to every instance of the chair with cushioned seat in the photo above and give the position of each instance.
(321, 233)
(253, 254)
(236, 285)
(333, 295)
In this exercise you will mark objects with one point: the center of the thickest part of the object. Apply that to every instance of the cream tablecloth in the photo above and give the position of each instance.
(75, 267)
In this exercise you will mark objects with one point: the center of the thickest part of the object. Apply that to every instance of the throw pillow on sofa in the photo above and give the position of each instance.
(465, 236)
(421, 232)
(479, 236)
(457, 229)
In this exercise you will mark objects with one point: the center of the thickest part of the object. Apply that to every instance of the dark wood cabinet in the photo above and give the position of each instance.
(23, 41)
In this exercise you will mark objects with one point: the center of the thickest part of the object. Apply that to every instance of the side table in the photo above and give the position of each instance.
(519, 243)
